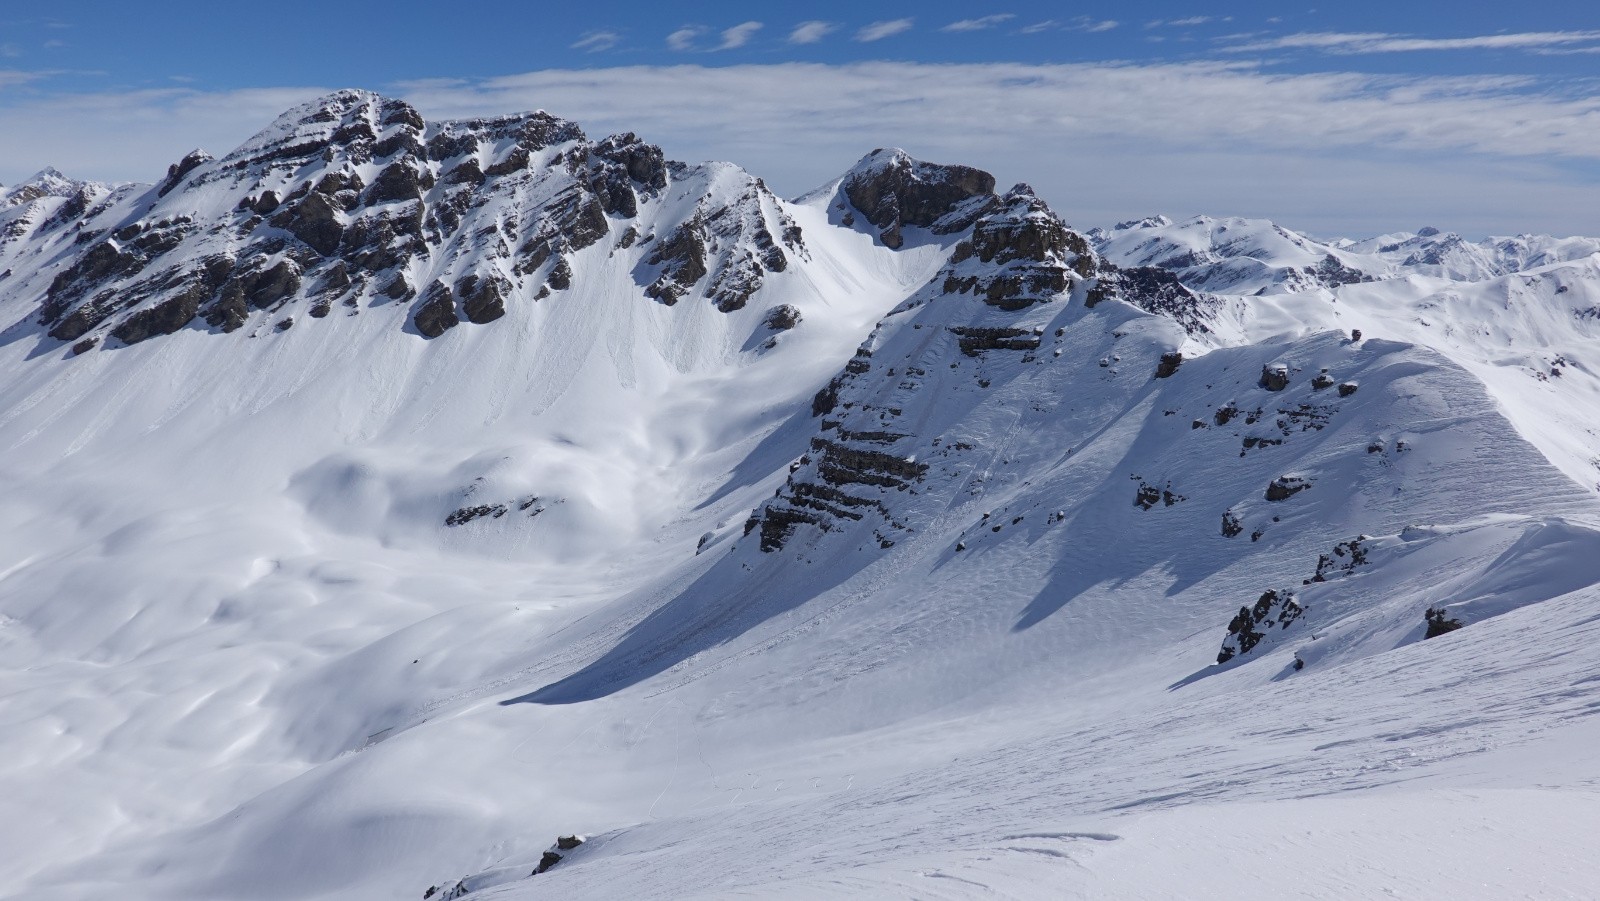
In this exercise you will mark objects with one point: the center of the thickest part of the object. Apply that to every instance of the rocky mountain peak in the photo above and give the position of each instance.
(47, 182)
(354, 201)
(891, 189)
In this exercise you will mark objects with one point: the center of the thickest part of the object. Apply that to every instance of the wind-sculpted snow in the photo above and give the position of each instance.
(398, 498)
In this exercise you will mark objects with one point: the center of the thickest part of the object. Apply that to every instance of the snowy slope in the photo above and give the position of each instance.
(882, 542)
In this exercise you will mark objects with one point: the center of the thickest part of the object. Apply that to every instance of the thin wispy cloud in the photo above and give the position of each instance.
(1188, 22)
(1080, 23)
(1379, 42)
(811, 32)
(684, 38)
(738, 35)
(10, 78)
(877, 31)
(979, 24)
(597, 41)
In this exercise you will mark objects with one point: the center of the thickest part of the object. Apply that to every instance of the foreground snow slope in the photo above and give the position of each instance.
(899, 568)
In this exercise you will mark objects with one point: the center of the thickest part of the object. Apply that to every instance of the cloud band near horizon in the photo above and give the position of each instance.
(1329, 151)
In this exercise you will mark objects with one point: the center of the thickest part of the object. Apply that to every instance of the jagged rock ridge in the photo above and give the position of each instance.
(353, 200)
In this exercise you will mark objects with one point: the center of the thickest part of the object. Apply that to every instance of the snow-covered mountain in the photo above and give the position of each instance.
(387, 499)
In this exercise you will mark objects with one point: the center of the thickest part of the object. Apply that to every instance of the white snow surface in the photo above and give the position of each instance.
(243, 656)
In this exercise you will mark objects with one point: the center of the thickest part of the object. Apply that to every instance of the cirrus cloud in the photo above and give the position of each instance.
(1379, 42)
(811, 32)
(980, 24)
(877, 31)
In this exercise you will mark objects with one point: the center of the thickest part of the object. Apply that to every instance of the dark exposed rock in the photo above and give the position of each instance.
(162, 319)
(267, 287)
(620, 167)
(1322, 381)
(1332, 273)
(1169, 364)
(1155, 290)
(379, 241)
(1439, 622)
(99, 264)
(1147, 496)
(1224, 414)
(735, 281)
(893, 190)
(1274, 376)
(974, 340)
(1254, 441)
(467, 173)
(826, 399)
(1029, 255)
(579, 218)
(560, 275)
(1346, 556)
(314, 219)
(845, 477)
(84, 346)
(515, 161)
(439, 893)
(437, 313)
(468, 514)
(483, 298)
(568, 842)
(338, 182)
(336, 278)
(1248, 627)
(254, 285)
(783, 317)
(1348, 388)
(405, 141)
(180, 170)
(547, 861)
(682, 257)
(1232, 526)
(399, 181)
(1285, 487)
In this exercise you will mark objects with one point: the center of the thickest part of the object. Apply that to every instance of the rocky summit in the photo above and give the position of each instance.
(385, 497)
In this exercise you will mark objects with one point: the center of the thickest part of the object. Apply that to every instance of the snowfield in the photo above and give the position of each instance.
(878, 543)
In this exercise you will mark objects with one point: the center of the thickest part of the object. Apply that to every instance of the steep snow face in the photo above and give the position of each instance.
(568, 509)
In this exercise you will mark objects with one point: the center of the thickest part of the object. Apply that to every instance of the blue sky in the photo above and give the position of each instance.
(1346, 117)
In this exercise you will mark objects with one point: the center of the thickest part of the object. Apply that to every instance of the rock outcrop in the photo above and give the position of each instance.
(892, 190)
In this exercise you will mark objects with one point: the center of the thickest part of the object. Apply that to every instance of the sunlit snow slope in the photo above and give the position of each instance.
(386, 499)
